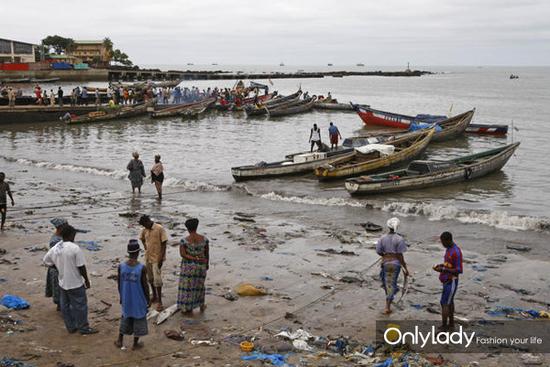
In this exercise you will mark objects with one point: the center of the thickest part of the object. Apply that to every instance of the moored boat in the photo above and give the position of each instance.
(160, 111)
(332, 105)
(487, 129)
(109, 114)
(303, 106)
(299, 163)
(428, 173)
(257, 110)
(373, 157)
(449, 129)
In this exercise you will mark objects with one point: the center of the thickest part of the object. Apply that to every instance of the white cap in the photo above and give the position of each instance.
(393, 223)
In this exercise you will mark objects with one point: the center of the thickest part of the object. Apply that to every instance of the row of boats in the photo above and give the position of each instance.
(367, 163)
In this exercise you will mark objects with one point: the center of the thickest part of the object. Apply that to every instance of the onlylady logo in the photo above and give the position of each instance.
(431, 337)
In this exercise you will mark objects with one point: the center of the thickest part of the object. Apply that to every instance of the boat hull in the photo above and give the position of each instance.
(362, 186)
(352, 170)
(278, 169)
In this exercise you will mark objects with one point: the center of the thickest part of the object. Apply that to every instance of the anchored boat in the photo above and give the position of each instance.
(428, 173)
(374, 157)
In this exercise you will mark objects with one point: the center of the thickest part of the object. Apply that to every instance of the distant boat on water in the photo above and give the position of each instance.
(329, 64)
(360, 64)
(214, 63)
(190, 63)
(282, 64)
(512, 76)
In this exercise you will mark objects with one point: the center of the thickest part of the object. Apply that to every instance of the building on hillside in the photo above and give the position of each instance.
(17, 52)
(91, 52)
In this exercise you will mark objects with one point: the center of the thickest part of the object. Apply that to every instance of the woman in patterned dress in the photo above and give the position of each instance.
(194, 251)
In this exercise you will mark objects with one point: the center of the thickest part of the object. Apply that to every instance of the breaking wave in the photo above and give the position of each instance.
(312, 200)
(186, 185)
(493, 218)
(498, 219)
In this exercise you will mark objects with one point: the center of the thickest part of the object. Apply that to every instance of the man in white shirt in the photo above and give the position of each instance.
(69, 260)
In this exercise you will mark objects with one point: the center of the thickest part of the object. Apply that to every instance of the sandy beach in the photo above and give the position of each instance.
(277, 245)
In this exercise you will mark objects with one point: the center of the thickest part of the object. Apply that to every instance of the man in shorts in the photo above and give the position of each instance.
(134, 297)
(334, 134)
(448, 275)
(154, 239)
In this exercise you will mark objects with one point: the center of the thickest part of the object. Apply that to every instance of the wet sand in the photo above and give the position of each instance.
(281, 240)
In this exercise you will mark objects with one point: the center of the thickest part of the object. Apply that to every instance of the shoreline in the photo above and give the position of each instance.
(284, 242)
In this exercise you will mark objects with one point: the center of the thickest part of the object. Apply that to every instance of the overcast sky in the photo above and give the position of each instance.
(297, 32)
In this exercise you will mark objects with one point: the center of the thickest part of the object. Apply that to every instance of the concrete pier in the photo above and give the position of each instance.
(104, 75)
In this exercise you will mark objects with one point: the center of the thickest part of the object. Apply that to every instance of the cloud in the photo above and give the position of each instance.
(305, 32)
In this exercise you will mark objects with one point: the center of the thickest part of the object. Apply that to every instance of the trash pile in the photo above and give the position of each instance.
(281, 348)
(517, 313)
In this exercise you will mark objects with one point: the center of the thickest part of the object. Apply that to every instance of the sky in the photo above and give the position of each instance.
(297, 32)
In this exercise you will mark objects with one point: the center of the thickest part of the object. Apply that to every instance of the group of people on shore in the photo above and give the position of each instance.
(139, 284)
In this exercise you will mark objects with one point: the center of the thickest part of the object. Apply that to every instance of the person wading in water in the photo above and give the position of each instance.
(157, 175)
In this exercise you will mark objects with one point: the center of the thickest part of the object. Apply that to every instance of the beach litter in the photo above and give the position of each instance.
(516, 312)
(14, 302)
(249, 290)
(274, 359)
(89, 245)
(10, 362)
(203, 342)
(165, 314)
(175, 335)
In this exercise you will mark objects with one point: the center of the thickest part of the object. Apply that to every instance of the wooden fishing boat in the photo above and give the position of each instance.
(403, 149)
(109, 114)
(371, 116)
(193, 112)
(45, 80)
(299, 164)
(487, 129)
(254, 110)
(160, 111)
(428, 173)
(450, 128)
(332, 104)
(302, 107)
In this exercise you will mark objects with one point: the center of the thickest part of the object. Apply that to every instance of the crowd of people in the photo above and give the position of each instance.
(139, 284)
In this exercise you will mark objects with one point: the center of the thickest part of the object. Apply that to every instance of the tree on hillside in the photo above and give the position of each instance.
(58, 43)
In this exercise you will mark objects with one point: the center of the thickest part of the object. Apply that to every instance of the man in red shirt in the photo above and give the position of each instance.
(448, 275)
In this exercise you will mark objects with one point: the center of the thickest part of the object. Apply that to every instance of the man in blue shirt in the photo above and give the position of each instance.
(333, 133)
(134, 297)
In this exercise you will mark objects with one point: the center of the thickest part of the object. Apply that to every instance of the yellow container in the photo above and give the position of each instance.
(247, 346)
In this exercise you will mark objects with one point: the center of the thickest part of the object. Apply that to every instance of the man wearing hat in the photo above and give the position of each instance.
(391, 247)
(52, 280)
(134, 297)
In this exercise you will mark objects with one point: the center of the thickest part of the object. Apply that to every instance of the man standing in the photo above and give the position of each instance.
(69, 260)
(134, 297)
(391, 247)
(60, 96)
(448, 275)
(333, 134)
(4, 193)
(315, 138)
(154, 240)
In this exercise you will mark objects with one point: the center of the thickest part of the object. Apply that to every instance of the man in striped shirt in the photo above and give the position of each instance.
(448, 275)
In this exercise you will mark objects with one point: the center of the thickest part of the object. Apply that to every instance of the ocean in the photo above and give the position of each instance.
(42, 160)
